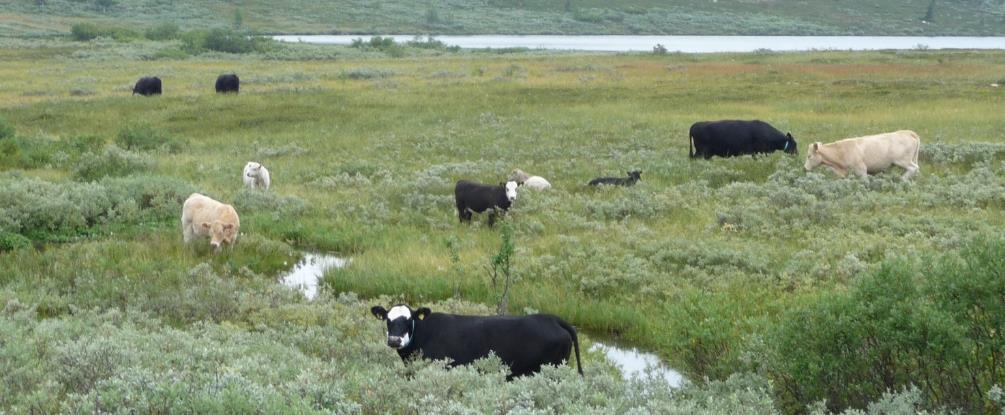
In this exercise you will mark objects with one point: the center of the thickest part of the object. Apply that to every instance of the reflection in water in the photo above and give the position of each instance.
(306, 273)
(635, 363)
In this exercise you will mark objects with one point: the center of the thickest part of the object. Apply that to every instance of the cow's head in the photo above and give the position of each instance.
(790, 144)
(635, 174)
(400, 323)
(220, 233)
(813, 158)
(253, 169)
(511, 190)
(518, 176)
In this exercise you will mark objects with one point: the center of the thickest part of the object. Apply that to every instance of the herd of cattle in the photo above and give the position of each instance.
(526, 343)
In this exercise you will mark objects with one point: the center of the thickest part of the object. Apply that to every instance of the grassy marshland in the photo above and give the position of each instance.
(822, 288)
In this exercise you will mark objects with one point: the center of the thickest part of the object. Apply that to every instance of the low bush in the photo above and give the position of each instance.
(114, 161)
(382, 44)
(257, 201)
(10, 241)
(163, 31)
(91, 31)
(365, 73)
(142, 136)
(6, 129)
(45, 210)
(224, 40)
(895, 328)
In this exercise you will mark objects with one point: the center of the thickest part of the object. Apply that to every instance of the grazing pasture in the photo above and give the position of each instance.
(742, 270)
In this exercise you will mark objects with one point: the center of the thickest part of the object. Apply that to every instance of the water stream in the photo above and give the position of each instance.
(634, 363)
(306, 273)
(687, 44)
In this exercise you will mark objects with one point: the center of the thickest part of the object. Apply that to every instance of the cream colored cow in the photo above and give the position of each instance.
(869, 154)
(533, 182)
(202, 216)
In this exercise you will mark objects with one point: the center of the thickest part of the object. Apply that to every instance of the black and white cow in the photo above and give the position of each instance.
(735, 137)
(147, 86)
(476, 197)
(228, 83)
(523, 343)
(633, 176)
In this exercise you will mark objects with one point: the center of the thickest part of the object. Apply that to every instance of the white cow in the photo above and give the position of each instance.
(202, 216)
(869, 154)
(533, 182)
(256, 175)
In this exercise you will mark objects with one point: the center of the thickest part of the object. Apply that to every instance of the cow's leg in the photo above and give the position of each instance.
(492, 217)
(911, 168)
(186, 231)
(860, 170)
(462, 213)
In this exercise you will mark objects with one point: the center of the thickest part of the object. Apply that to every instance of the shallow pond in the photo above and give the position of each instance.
(306, 273)
(634, 363)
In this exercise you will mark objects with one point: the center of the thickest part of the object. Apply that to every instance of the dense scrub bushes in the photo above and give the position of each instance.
(112, 162)
(46, 152)
(52, 211)
(141, 136)
(256, 201)
(223, 40)
(90, 31)
(194, 41)
(321, 357)
(899, 326)
(6, 129)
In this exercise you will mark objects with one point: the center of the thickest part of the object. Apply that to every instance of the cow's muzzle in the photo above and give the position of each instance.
(394, 341)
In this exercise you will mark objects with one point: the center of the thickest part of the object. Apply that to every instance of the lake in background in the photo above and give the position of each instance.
(688, 44)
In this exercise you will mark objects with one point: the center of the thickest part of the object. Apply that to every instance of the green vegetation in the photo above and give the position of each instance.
(572, 17)
(791, 291)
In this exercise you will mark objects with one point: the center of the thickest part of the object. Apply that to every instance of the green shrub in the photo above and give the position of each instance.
(382, 44)
(141, 136)
(44, 210)
(894, 329)
(163, 31)
(90, 31)
(225, 40)
(256, 201)
(10, 241)
(365, 73)
(114, 161)
(85, 31)
(222, 40)
(6, 129)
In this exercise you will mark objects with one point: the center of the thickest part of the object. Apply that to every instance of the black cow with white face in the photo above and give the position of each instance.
(228, 83)
(147, 86)
(524, 343)
(735, 137)
(476, 197)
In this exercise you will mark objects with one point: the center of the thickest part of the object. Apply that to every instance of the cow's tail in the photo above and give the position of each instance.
(917, 148)
(575, 343)
(690, 145)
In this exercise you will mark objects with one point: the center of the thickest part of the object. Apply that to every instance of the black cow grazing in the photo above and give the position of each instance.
(228, 83)
(523, 343)
(733, 138)
(633, 176)
(147, 86)
(477, 197)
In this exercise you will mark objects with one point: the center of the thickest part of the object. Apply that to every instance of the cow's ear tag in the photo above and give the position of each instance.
(422, 316)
